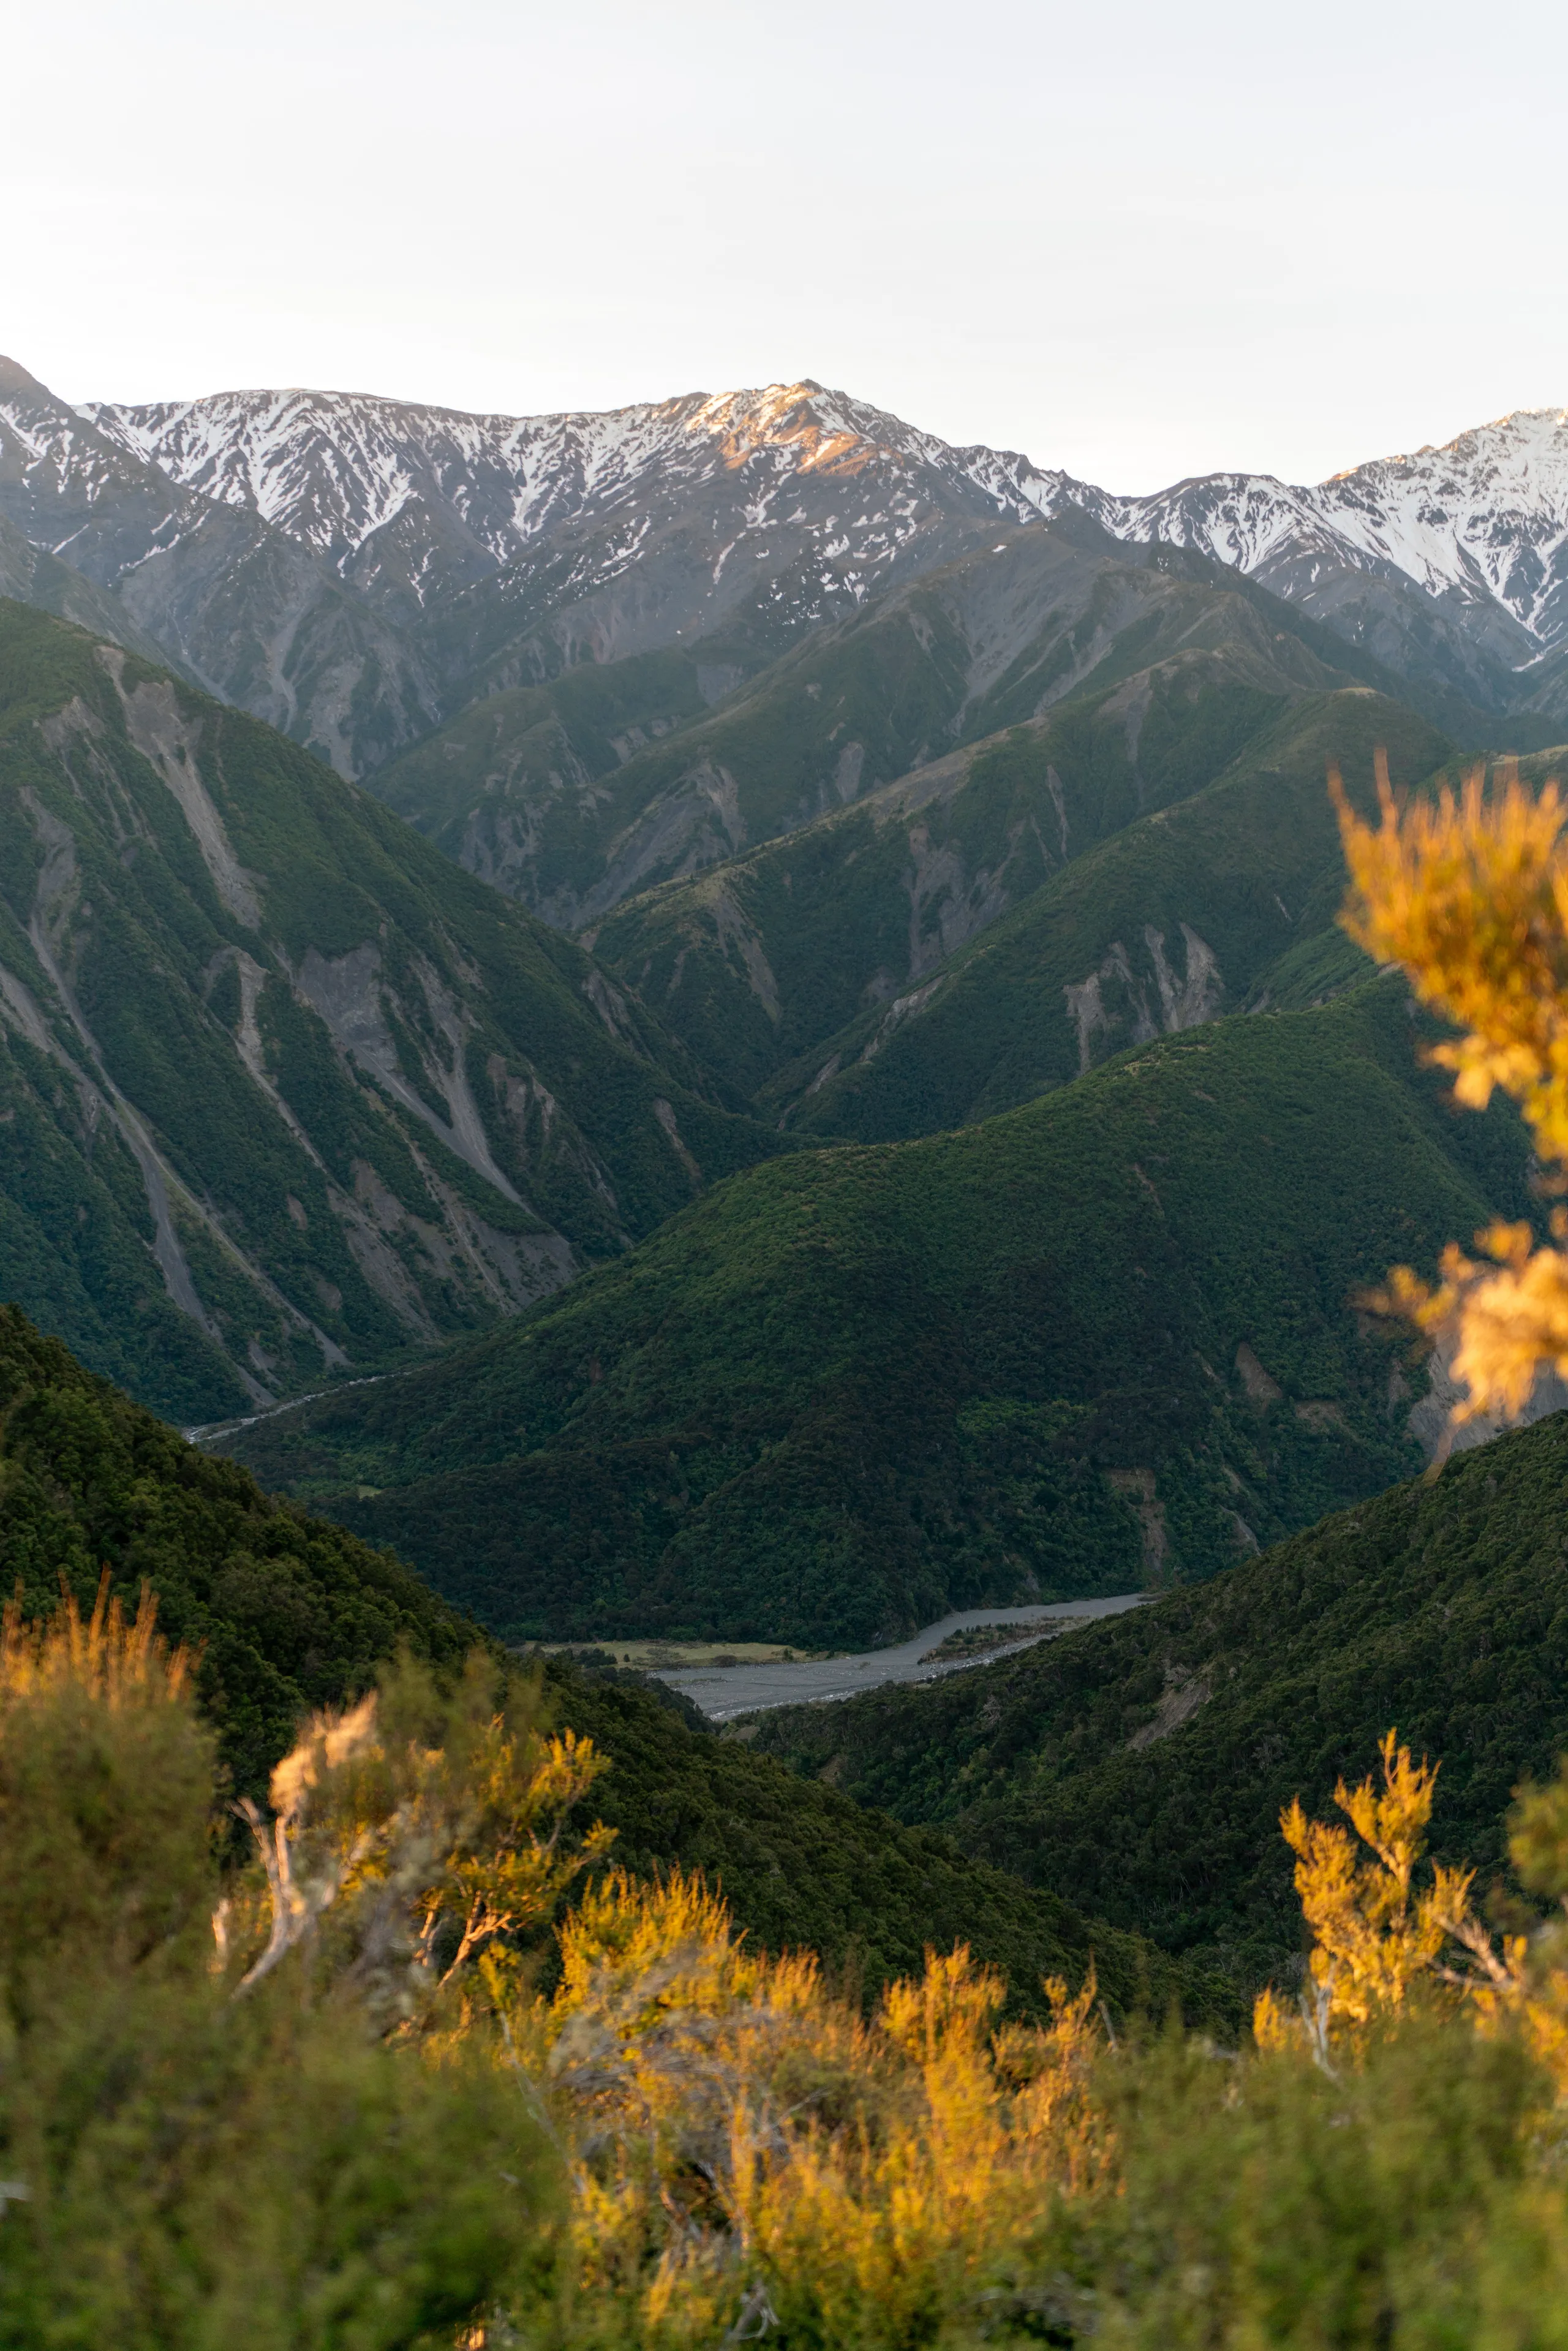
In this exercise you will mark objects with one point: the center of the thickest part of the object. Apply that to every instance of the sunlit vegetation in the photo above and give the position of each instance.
(1471, 894)
(323, 2094)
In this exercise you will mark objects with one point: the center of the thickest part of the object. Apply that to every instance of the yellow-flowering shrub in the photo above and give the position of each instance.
(1470, 895)
(749, 2152)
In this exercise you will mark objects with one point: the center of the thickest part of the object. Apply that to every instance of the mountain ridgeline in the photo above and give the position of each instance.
(365, 572)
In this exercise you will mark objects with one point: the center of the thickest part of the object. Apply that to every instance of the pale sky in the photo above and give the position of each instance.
(1134, 239)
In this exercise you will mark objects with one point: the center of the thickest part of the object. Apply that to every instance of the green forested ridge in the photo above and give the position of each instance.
(287, 1611)
(1137, 1766)
(986, 641)
(1176, 918)
(281, 1088)
(1101, 1341)
(509, 787)
(290, 1613)
(761, 961)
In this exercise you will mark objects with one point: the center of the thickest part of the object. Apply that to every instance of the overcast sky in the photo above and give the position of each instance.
(1136, 240)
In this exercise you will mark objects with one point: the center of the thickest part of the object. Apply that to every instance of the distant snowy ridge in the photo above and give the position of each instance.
(1483, 519)
(333, 469)
(359, 569)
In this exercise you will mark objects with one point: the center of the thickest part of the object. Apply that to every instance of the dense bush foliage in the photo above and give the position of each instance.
(191, 2159)
(321, 2098)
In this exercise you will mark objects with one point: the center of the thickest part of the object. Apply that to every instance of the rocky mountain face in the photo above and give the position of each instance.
(417, 508)
(532, 542)
(803, 958)
(577, 796)
(282, 1090)
(482, 552)
(246, 610)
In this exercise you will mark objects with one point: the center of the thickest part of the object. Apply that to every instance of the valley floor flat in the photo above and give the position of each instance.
(725, 1691)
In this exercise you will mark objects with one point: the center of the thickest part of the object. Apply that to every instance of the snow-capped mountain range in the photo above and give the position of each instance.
(1484, 518)
(357, 570)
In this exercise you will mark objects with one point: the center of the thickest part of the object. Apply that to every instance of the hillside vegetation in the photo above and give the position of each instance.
(1105, 1340)
(1138, 1766)
(511, 787)
(559, 795)
(281, 1089)
(759, 961)
(1194, 910)
(315, 2090)
(288, 1613)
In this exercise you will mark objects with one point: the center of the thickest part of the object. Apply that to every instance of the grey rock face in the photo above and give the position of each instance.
(246, 610)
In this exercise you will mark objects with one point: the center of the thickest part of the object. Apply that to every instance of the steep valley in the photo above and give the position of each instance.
(288, 1613)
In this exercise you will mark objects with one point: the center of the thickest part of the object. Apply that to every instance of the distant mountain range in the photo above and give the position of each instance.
(358, 569)
(886, 785)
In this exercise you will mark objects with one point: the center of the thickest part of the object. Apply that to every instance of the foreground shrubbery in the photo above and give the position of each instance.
(320, 2097)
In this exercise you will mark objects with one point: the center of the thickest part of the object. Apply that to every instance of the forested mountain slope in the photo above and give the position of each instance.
(284, 1089)
(1105, 1340)
(1138, 1765)
(817, 971)
(1229, 898)
(290, 1613)
(573, 818)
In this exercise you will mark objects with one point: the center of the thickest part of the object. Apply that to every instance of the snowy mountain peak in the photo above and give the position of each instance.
(1482, 522)
(1527, 447)
(423, 502)
(332, 468)
(484, 549)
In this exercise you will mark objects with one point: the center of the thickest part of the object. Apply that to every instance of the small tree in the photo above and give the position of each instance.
(1373, 1933)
